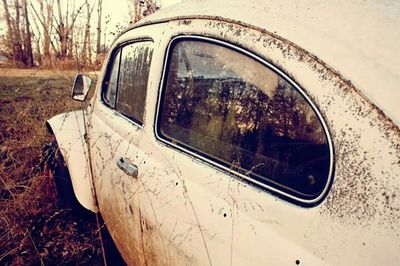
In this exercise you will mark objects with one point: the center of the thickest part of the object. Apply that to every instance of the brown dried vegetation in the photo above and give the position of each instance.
(33, 230)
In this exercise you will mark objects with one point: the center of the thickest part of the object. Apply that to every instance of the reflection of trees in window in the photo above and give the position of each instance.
(276, 138)
(291, 116)
(134, 71)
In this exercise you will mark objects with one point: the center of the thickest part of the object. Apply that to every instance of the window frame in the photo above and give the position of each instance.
(118, 49)
(107, 76)
(305, 202)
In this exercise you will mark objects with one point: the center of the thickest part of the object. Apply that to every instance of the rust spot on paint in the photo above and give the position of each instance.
(367, 156)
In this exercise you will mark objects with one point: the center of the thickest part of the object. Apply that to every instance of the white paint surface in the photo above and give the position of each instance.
(360, 39)
(69, 131)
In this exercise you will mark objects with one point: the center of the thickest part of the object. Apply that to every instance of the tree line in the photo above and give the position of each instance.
(50, 33)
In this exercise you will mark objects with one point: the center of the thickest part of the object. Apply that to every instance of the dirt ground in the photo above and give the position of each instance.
(33, 229)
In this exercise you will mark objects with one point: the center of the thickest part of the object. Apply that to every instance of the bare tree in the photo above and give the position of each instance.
(87, 50)
(49, 31)
(47, 9)
(64, 29)
(137, 10)
(142, 8)
(74, 16)
(99, 11)
(37, 41)
(45, 18)
(151, 7)
(18, 45)
(17, 33)
(11, 52)
(28, 36)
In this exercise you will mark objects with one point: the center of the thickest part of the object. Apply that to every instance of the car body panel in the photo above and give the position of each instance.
(182, 210)
(69, 130)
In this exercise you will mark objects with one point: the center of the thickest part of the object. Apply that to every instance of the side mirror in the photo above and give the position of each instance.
(81, 87)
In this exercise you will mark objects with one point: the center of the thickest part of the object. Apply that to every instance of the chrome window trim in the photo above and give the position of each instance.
(248, 179)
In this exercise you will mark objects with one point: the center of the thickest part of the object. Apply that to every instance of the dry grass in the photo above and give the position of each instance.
(32, 229)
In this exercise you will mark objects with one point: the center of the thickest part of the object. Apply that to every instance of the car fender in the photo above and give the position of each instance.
(69, 131)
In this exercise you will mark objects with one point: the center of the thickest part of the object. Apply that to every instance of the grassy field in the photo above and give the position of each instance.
(33, 230)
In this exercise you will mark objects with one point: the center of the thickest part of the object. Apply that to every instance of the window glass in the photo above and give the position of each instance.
(227, 106)
(111, 83)
(133, 77)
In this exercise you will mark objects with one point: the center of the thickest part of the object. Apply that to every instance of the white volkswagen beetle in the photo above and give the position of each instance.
(245, 133)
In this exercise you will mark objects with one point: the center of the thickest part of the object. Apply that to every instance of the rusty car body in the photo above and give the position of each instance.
(158, 166)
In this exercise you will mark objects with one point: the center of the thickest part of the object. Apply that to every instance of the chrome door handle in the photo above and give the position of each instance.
(128, 167)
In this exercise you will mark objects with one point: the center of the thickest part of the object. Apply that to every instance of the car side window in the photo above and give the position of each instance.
(237, 112)
(134, 75)
(126, 83)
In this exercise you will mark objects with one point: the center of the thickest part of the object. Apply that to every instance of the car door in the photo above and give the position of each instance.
(116, 139)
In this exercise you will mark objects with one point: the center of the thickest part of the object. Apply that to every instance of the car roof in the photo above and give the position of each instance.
(360, 39)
